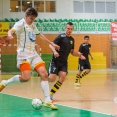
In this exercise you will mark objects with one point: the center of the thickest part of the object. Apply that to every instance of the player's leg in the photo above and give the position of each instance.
(87, 68)
(78, 77)
(24, 65)
(53, 71)
(62, 75)
(24, 77)
(86, 72)
(41, 70)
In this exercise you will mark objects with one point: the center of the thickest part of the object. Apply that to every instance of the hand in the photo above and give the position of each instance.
(82, 57)
(56, 54)
(9, 37)
(55, 46)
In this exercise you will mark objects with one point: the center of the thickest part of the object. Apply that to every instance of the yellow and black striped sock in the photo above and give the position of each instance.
(84, 73)
(55, 88)
(77, 77)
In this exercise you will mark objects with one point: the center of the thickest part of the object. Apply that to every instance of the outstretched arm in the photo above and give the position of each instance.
(51, 43)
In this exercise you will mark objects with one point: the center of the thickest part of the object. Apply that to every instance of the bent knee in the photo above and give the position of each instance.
(51, 79)
(24, 79)
(88, 71)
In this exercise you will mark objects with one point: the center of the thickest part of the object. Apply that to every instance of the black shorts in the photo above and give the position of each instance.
(84, 64)
(56, 66)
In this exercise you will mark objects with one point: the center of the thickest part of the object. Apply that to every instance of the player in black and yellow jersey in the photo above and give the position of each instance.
(58, 64)
(83, 64)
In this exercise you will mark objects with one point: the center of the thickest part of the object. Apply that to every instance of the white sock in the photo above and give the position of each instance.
(14, 80)
(46, 91)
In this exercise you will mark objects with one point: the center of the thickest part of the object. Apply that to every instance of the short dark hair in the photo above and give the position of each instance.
(86, 36)
(32, 12)
(69, 23)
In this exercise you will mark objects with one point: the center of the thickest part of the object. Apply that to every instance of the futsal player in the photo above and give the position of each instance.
(27, 56)
(84, 67)
(58, 64)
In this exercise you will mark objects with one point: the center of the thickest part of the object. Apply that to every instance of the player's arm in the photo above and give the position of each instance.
(10, 33)
(56, 54)
(77, 54)
(49, 42)
(15, 29)
(90, 55)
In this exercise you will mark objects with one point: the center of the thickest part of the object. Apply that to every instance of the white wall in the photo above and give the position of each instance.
(64, 10)
(1, 16)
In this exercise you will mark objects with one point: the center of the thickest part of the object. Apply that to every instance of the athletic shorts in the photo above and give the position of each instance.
(26, 57)
(84, 64)
(56, 66)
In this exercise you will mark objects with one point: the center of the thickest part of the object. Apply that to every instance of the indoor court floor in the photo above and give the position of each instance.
(93, 99)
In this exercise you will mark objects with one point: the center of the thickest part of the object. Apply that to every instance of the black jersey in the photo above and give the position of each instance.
(66, 44)
(85, 49)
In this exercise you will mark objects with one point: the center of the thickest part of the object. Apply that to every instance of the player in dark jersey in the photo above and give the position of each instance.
(83, 64)
(58, 64)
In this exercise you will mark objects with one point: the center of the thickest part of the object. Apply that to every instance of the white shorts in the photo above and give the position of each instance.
(32, 58)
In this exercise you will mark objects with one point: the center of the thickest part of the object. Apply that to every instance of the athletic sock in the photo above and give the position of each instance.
(84, 73)
(14, 80)
(45, 88)
(78, 77)
(55, 88)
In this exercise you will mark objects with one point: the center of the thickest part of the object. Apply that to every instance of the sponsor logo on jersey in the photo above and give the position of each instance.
(32, 36)
(71, 42)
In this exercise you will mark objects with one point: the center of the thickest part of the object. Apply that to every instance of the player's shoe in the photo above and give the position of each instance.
(77, 85)
(50, 105)
(2, 86)
(53, 99)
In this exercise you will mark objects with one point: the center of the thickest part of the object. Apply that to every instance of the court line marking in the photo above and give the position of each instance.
(58, 104)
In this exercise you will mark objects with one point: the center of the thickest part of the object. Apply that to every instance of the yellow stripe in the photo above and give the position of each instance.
(58, 85)
(39, 63)
(13, 29)
(54, 89)
(25, 62)
(51, 93)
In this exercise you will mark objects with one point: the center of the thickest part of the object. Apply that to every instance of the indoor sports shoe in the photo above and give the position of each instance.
(2, 86)
(50, 105)
(77, 85)
(53, 99)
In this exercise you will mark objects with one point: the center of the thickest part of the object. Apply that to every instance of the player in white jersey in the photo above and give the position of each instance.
(27, 56)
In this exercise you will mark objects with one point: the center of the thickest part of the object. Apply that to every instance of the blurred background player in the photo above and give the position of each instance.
(58, 64)
(27, 56)
(83, 64)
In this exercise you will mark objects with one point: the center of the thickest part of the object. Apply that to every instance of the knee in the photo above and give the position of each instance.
(52, 79)
(44, 75)
(88, 71)
(24, 78)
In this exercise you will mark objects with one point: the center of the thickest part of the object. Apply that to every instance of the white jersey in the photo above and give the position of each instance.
(26, 36)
